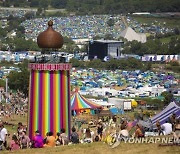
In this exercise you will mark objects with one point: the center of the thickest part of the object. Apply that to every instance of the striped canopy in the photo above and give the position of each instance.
(164, 115)
(78, 102)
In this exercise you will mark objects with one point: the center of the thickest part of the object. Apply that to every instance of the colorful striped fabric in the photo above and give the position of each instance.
(78, 102)
(164, 115)
(49, 102)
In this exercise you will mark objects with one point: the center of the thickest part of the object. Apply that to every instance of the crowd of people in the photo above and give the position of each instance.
(16, 105)
(97, 130)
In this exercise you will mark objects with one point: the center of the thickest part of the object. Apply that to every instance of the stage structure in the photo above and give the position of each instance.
(49, 89)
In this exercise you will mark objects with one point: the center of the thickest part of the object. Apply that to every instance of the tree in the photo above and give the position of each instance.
(2, 83)
(19, 81)
(76, 63)
(59, 3)
(21, 29)
(112, 64)
(176, 31)
(96, 63)
(44, 4)
(167, 97)
(39, 11)
(29, 15)
(97, 37)
(110, 22)
(108, 37)
(21, 44)
(3, 33)
(34, 3)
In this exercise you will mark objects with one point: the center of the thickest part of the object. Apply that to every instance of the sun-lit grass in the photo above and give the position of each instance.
(102, 148)
(94, 148)
(13, 122)
(167, 39)
(168, 22)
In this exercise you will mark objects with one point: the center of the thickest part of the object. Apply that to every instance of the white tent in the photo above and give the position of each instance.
(131, 35)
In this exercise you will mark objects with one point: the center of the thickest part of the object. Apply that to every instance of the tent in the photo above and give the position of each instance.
(116, 111)
(164, 115)
(134, 103)
(80, 104)
(131, 35)
(105, 112)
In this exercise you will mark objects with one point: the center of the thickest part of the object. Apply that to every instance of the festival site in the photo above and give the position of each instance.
(95, 77)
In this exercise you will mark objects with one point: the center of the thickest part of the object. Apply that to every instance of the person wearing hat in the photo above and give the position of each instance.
(3, 134)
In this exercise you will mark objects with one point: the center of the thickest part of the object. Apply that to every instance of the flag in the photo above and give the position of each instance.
(162, 58)
(147, 58)
(155, 58)
(106, 58)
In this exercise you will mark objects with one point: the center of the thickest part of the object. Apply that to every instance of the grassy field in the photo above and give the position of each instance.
(102, 148)
(167, 39)
(169, 22)
(94, 148)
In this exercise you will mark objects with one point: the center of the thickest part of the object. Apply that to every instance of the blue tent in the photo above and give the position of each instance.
(116, 111)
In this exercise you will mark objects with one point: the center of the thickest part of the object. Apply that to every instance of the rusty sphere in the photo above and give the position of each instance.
(50, 38)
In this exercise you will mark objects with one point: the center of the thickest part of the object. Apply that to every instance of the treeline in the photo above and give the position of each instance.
(173, 66)
(113, 64)
(153, 46)
(100, 6)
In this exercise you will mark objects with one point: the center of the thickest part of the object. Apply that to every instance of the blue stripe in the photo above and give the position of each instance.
(167, 113)
(166, 117)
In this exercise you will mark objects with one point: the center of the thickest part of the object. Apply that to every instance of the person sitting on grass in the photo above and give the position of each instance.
(14, 144)
(24, 141)
(64, 138)
(45, 139)
(37, 141)
(165, 128)
(158, 125)
(138, 132)
(58, 139)
(74, 137)
(176, 133)
(51, 140)
(124, 134)
(96, 139)
(88, 138)
(172, 120)
(20, 129)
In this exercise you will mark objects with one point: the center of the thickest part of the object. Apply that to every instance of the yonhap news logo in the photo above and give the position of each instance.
(153, 140)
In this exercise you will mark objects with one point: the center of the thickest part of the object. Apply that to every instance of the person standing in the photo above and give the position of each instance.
(3, 135)
(100, 130)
